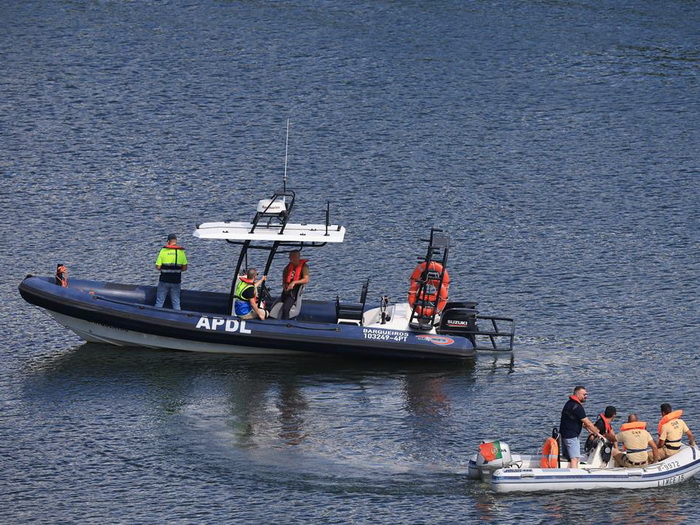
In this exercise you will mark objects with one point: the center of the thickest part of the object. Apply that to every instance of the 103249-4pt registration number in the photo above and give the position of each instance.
(384, 335)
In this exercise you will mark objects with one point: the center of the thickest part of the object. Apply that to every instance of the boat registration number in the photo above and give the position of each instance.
(670, 465)
(384, 335)
(671, 481)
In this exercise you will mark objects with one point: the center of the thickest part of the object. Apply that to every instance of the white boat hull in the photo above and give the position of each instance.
(98, 333)
(527, 476)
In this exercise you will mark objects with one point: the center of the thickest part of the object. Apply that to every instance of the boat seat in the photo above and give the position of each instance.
(351, 313)
(276, 310)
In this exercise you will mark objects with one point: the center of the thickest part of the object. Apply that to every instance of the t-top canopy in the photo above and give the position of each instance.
(293, 233)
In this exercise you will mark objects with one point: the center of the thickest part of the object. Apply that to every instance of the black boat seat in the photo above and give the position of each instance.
(276, 310)
(351, 313)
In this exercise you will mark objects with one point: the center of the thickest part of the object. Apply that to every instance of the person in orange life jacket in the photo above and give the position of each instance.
(636, 439)
(62, 275)
(604, 426)
(573, 419)
(294, 276)
(171, 262)
(246, 303)
(671, 429)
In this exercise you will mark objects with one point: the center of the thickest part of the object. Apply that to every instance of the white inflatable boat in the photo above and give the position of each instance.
(508, 472)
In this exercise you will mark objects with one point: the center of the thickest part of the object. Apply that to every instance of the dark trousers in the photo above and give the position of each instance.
(288, 300)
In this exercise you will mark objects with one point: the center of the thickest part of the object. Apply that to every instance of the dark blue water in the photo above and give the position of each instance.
(557, 142)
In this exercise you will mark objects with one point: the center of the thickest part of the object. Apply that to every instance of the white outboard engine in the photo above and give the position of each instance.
(492, 456)
(600, 454)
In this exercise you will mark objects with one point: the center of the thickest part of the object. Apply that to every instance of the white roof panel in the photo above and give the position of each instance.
(240, 231)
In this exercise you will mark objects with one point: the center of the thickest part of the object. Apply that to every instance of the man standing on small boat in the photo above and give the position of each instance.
(573, 419)
(171, 262)
(671, 429)
(295, 275)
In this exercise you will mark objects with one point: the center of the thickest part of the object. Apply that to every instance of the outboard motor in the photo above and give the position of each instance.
(459, 319)
(492, 456)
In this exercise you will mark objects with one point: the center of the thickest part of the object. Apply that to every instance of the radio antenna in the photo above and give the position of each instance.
(286, 150)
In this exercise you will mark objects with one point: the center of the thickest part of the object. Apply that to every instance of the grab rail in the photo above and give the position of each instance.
(496, 335)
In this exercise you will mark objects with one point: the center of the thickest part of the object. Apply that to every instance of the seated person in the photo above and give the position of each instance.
(634, 436)
(294, 276)
(245, 302)
(671, 430)
(604, 425)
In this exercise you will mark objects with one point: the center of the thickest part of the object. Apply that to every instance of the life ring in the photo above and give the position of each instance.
(550, 454)
(417, 274)
(437, 299)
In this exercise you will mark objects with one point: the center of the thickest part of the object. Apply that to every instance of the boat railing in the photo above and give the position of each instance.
(497, 337)
(277, 208)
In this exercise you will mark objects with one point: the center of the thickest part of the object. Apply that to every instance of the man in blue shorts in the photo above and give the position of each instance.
(573, 419)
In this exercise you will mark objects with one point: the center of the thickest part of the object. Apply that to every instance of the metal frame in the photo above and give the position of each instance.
(265, 219)
(438, 251)
(495, 334)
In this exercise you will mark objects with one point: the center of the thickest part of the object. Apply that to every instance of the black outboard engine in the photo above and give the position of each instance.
(459, 319)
